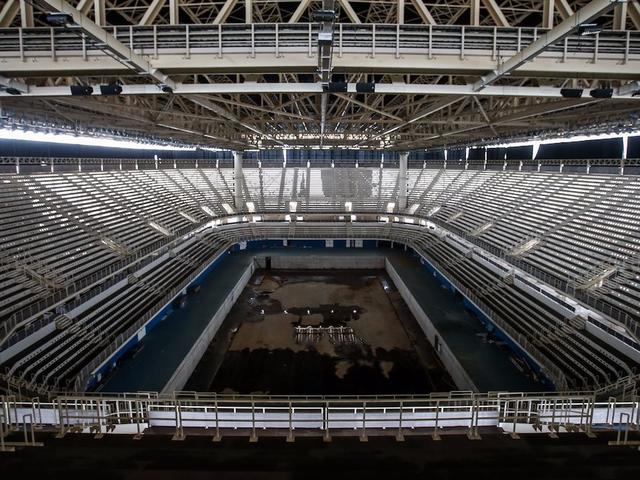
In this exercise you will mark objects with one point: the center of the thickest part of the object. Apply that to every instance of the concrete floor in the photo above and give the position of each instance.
(152, 364)
(572, 456)
(264, 355)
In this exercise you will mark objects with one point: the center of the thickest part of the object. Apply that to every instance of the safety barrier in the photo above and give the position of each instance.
(188, 412)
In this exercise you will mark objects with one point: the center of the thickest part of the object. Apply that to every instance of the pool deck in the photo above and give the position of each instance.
(162, 350)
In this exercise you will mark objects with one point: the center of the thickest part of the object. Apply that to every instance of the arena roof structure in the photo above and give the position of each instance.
(397, 74)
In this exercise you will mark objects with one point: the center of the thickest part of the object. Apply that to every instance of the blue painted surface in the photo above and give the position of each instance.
(486, 322)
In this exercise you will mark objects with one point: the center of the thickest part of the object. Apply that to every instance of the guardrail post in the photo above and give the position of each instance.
(99, 433)
(436, 435)
(290, 437)
(138, 435)
(399, 435)
(325, 413)
(514, 434)
(473, 427)
(62, 432)
(552, 425)
(179, 435)
(216, 437)
(253, 438)
(627, 425)
(31, 442)
(363, 433)
(3, 432)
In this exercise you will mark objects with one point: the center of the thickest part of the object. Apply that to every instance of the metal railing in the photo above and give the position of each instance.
(278, 39)
(185, 412)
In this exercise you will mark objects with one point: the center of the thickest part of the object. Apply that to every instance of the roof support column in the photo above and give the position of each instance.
(548, 9)
(26, 14)
(238, 180)
(174, 12)
(248, 11)
(100, 12)
(402, 181)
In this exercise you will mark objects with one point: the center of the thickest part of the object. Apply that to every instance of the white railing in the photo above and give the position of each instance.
(278, 39)
(150, 413)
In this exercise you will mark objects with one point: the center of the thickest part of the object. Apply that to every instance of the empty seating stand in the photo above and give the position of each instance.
(62, 232)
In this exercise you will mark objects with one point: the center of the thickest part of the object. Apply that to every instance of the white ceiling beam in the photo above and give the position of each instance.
(424, 12)
(139, 62)
(311, 88)
(26, 14)
(496, 14)
(99, 12)
(430, 110)
(302, 7)
(84, 6)
(209, 105)
(564, 9)
(225, 11)
(248, 11)
(152, 12)
(620, 16)
(9, 12)
(367, 106)
(586, 14)
(548, 11)
(474, 5)
(349, 11)
(633, 10)
(174, 12)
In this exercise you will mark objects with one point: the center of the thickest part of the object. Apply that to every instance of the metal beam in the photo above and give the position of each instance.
(302, 7)
(474, 19)
(224, 12)
(543, 109)
(548, 11)
(99, 12)
(424, 12)
(139, 62)
(26, 14)
(349, 11)
(620, 16)
(564, 8)
(84, 6)
(400, 12)
(311, 88)
(9, 12)
(430, 110)
(366, 106)
(248, 11)
(592, 10)
(174, 12)
(152, 12)
(633, 10)
(209, 105)
(496, 14)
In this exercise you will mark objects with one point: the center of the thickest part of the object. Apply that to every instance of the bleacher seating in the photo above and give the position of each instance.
(64, 233)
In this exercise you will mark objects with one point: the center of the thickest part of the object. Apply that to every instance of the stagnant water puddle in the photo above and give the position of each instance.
(339, 332)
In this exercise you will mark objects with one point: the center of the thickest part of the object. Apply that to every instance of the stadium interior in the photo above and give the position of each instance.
(247, 221)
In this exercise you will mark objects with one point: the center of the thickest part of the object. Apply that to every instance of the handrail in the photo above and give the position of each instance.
(301, 37)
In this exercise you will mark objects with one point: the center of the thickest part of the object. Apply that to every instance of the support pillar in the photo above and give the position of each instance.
(238, 180)
(402, 181)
